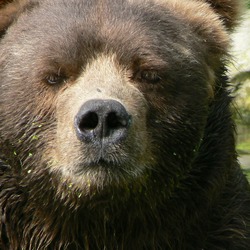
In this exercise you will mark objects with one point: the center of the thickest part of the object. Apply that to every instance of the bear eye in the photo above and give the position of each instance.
(150, 76)
(55, 79)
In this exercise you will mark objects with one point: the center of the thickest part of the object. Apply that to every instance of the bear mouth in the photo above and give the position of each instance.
(109, 157)
(112, 170)
(103, 164)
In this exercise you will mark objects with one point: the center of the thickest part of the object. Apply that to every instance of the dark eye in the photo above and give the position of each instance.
(150, 76)
(55, 79)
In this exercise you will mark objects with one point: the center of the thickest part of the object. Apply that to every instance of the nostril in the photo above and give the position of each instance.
(114, 121)
(102, 120)
(89, 121)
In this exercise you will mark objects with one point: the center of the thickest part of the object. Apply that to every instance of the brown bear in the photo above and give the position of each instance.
(115, 126)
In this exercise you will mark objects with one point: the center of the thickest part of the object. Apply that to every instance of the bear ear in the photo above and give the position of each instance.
(228, 11)
(9, 11)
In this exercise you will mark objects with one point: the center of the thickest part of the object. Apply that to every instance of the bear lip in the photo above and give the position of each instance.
(103, 161)
(109, 168)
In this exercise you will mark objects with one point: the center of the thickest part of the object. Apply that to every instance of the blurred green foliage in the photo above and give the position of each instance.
(247, 173)
(240, 80)
(244, 146)
(240, 68)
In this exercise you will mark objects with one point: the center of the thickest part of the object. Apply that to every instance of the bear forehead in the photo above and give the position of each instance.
(72, 31)
(128, 19)
(99, 19)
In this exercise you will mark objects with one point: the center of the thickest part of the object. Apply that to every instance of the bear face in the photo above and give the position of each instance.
(115, 126)
(76, 63)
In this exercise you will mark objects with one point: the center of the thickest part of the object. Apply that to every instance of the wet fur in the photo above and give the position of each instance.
(192, 193)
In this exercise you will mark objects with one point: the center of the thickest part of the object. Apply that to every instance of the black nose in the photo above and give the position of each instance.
(102, 119)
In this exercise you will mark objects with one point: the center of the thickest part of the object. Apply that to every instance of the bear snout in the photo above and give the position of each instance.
(101, 121)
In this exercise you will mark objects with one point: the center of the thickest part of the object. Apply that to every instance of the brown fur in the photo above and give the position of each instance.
(8, 13)
(167, 177)
(227, 10)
